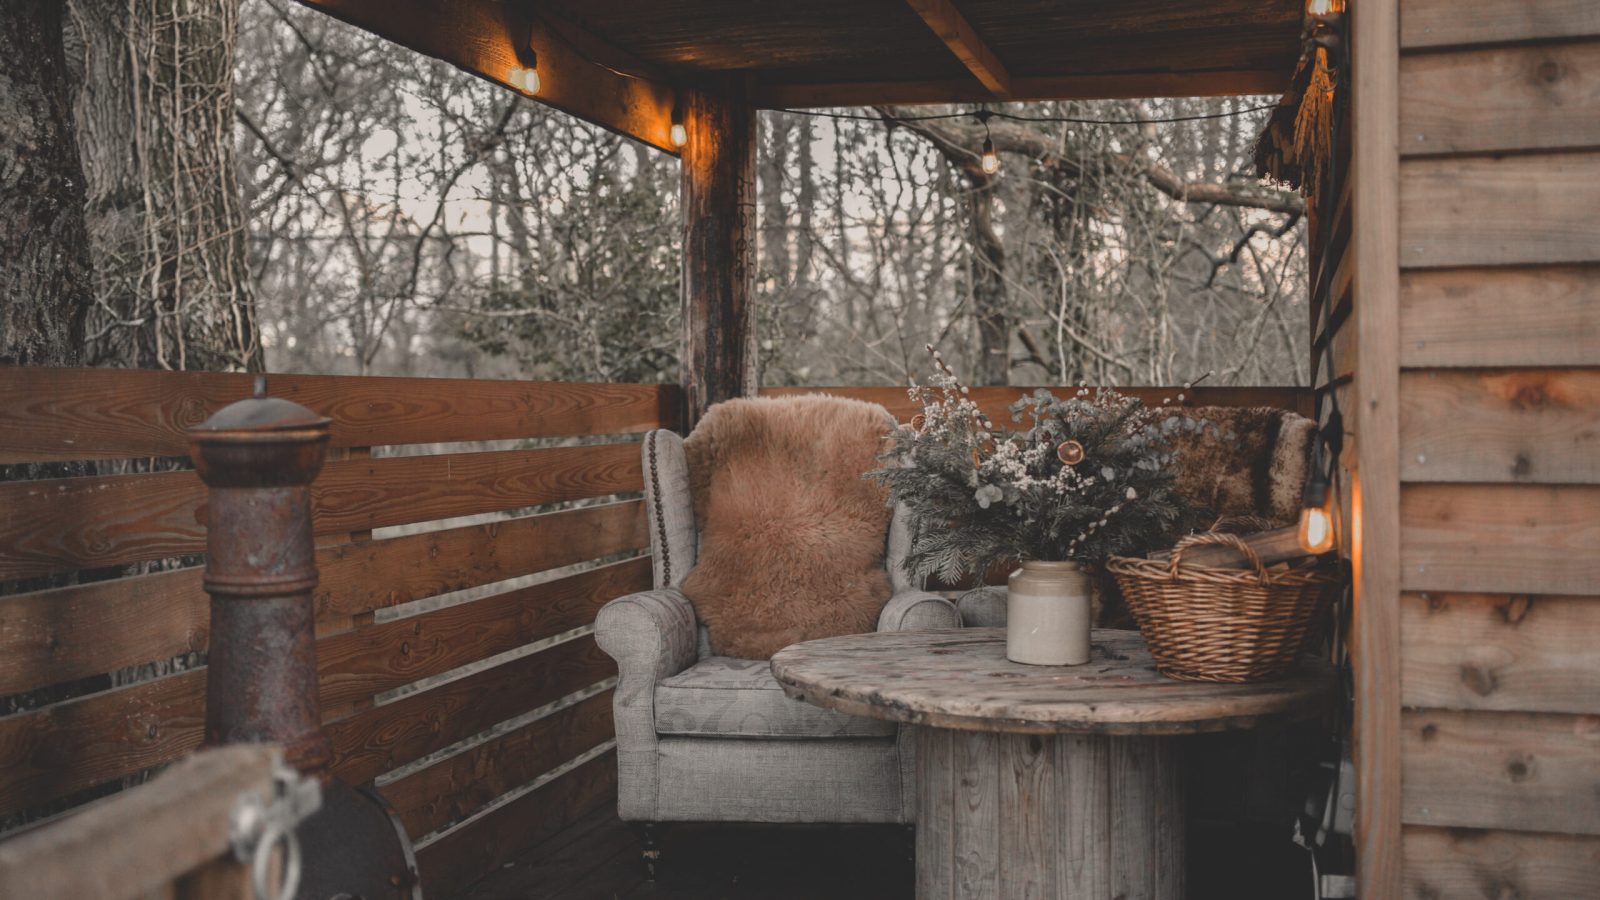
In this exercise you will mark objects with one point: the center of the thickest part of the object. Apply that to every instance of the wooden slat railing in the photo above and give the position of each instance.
(473, 670)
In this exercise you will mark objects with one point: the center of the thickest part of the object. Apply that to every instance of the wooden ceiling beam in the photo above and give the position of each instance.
(957, 33)
(1122, 86)
(487, 38)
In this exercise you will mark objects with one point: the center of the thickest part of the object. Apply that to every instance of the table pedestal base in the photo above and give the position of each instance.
(1086, 817)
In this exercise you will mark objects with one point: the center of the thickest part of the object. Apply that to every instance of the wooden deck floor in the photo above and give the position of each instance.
(598, 858)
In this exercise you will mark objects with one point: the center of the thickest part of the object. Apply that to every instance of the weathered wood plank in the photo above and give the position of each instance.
(68, 414)
(374, 741)
(1497, 425)
(483, 37)
(1526, 771)
(1539, 316)
(61, 524)
(1500, 538)
(455, 788)
(143, 840)
(1530, 653)
(1461, 862)
(54, 636)
(1511, 210)
(67, 747)
(995, 401)
(1439, 23)
(1375, 639)
(957, 33)
(1540, 97)
(458, 857)
(362, 577)
(360, 664)
(1123, 85)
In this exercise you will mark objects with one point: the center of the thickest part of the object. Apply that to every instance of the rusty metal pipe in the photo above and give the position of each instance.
(259, 457)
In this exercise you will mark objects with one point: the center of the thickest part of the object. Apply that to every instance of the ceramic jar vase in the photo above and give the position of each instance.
(1048, 611)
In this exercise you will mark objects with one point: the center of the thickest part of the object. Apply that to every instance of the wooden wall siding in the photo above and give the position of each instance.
(1528, 652)
(474, 663)
(1522, 771)
(1531, 316)
(1500, 447)
(1494, 99)
(1505, 210)
(1501, 425)
(994, 401)
(1441, 23)
(1462, 862)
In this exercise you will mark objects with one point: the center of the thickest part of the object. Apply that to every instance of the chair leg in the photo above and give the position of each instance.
(649, 852)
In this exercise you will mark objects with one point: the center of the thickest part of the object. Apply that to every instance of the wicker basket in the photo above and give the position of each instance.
(1209, 624)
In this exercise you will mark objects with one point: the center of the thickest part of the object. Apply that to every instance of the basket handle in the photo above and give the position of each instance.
(1242, 524)
(1215, 537)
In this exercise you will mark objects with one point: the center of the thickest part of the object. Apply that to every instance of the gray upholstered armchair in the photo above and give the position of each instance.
(702, 737)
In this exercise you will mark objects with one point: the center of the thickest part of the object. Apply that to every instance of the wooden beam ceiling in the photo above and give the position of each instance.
(957, 33)
(490, 39)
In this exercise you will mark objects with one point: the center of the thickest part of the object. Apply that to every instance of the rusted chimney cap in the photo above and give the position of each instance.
(260, 413)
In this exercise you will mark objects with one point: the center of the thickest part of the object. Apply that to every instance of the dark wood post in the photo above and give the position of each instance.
(719, 249)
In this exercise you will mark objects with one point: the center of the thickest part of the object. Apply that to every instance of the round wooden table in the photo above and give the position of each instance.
(1040, 781)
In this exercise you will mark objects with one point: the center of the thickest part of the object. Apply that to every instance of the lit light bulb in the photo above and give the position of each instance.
(991, 162)
(679, 135)
(527, 79)
(1319, 7)
(1316, 521)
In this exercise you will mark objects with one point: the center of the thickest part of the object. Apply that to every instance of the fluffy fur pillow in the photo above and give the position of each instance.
(1253, 462)
(791, 536)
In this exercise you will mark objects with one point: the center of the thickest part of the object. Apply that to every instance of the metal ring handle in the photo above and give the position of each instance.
(261, 863)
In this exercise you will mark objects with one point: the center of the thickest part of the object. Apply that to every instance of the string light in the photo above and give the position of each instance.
(526, 77)
(1316, 514)
(991, 162)
(678, 134)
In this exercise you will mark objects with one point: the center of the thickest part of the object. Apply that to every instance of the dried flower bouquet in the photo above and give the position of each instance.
(1079, 479)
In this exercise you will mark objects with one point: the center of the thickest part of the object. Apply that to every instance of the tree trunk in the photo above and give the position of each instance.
(44, 256)
(155, 113)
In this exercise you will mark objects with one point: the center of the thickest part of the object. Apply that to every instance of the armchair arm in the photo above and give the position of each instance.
(651, 635)
(912, 610)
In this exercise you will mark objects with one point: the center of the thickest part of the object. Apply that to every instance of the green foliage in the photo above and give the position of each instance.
(983, 495)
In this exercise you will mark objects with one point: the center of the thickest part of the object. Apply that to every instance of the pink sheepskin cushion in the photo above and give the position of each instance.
(791, 536)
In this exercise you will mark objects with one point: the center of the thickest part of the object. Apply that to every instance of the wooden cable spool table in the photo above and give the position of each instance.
(1041, 781)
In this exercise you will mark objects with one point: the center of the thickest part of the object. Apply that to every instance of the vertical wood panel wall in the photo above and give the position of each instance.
(458, 584)
(1499, 447)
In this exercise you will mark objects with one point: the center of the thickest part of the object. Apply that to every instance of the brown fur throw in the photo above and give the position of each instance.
(1252, 462)
(791, 536)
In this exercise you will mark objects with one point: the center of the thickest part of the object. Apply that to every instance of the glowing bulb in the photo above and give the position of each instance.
(680, 134)
(991, 162)
(1319, 7)
(1316, 521)
(527, 79)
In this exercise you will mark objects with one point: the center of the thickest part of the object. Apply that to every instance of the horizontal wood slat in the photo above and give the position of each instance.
(1500, 538)
(68, 414)
(57, 525)
(59, 635)
(485, 844)
(1498, 425)
(1524, 771)
(1532, 653)
(1541, 97)
(1542, 316)
(454, 788)
(369, 575)
(1461, 862)
(365, 662)
(92, 740)
(374, 741)
(994, 401)
(1512, 210)
(1439, 23)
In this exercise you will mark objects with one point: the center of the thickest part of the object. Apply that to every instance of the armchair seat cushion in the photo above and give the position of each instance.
(724, 697)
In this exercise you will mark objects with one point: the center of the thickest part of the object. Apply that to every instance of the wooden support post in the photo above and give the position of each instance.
(719, 247)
